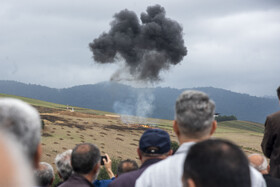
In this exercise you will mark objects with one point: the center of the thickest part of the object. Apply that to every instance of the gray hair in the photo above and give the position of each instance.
(194, 113)
(44, 174)
(63, 164)
(262, 166)
(23, 122)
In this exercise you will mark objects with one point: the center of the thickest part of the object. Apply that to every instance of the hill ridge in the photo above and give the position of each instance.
(159, 102)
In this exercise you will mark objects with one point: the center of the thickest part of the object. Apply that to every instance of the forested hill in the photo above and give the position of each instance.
(152, 102)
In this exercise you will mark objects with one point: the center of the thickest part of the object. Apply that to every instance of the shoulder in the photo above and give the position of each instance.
(256, 178)
(166, 163)
(164, 173)
(125, 179)
(275, 115)
(273, 119)
(172, 162)
(271, 181)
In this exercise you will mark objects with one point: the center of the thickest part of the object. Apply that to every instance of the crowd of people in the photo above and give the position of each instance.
(200, 161)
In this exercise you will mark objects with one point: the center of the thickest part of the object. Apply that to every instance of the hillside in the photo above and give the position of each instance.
(119, 135)
(148, 102)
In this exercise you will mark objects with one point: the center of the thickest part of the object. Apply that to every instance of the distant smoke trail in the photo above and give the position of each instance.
(146, 48)
(141, 105)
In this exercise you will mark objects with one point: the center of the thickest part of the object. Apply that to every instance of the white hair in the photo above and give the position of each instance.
(194, 112)
(15, 169)
(262, 166)
(44, 174)
(63, 164)
(23, 122)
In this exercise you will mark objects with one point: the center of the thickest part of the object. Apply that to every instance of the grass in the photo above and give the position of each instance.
(121, 142)
(241, 126)
(40, 103)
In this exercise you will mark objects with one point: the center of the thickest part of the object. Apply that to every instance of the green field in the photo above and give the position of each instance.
(40, 103)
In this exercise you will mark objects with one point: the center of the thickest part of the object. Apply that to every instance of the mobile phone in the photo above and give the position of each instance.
(102, 157)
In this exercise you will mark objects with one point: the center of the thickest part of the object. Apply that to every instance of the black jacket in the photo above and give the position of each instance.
(76, 180)
(271, 143)
(271, 181)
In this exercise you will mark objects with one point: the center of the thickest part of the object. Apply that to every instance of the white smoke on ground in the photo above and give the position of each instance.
(136, 109)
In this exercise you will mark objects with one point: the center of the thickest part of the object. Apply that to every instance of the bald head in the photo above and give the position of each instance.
(259, 162)
(84, 158)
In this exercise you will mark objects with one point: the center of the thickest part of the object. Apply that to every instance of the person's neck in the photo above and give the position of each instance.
(144, 159)
(89, 177)
(184, 139)
(264, 172)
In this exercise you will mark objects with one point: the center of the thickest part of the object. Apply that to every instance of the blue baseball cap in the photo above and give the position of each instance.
(155, 141)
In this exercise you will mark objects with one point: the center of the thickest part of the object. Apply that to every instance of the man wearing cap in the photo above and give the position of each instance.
(154, 145)
(194, 122)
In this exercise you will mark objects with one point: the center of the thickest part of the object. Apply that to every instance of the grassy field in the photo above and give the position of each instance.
(45, 104)
(119, 135)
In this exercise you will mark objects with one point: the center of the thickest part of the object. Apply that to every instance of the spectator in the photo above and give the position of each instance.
(260, 163)
(23, 122)
(154, 145)
(108, 167)
(194, 122)
(216, 163)
(123, 167)
(271, 141)
(44, 174)
(85, 160)
(15, 170)
(64, 168)
(63, 165)
(126, 166)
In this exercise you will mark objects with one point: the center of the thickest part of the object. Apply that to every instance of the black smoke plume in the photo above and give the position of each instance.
(146, 48)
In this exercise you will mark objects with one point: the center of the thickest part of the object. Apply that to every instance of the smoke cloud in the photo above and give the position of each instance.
(146, 48)
(140, 104)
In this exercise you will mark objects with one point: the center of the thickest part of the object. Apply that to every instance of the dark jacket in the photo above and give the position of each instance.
(76, 180)
(129, 179)
(271, 181)
(271, 143)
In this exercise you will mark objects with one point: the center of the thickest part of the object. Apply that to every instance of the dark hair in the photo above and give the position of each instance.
(84, 157)
(126, 166)
(278, 92)
(218, 163)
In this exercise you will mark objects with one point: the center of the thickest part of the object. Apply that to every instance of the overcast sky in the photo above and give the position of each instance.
(232, 44)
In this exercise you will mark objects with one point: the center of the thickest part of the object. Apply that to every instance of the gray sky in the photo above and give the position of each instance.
(233, 44)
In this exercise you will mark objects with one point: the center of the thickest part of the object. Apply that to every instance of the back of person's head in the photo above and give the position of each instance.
(126, 166)
(84, 158)
(63, 164)
(22, 121)
(194, 113)
(15, 170)
(154, 143)
(216, 163)
(259, 162)
(44, 174)
(278, 92)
